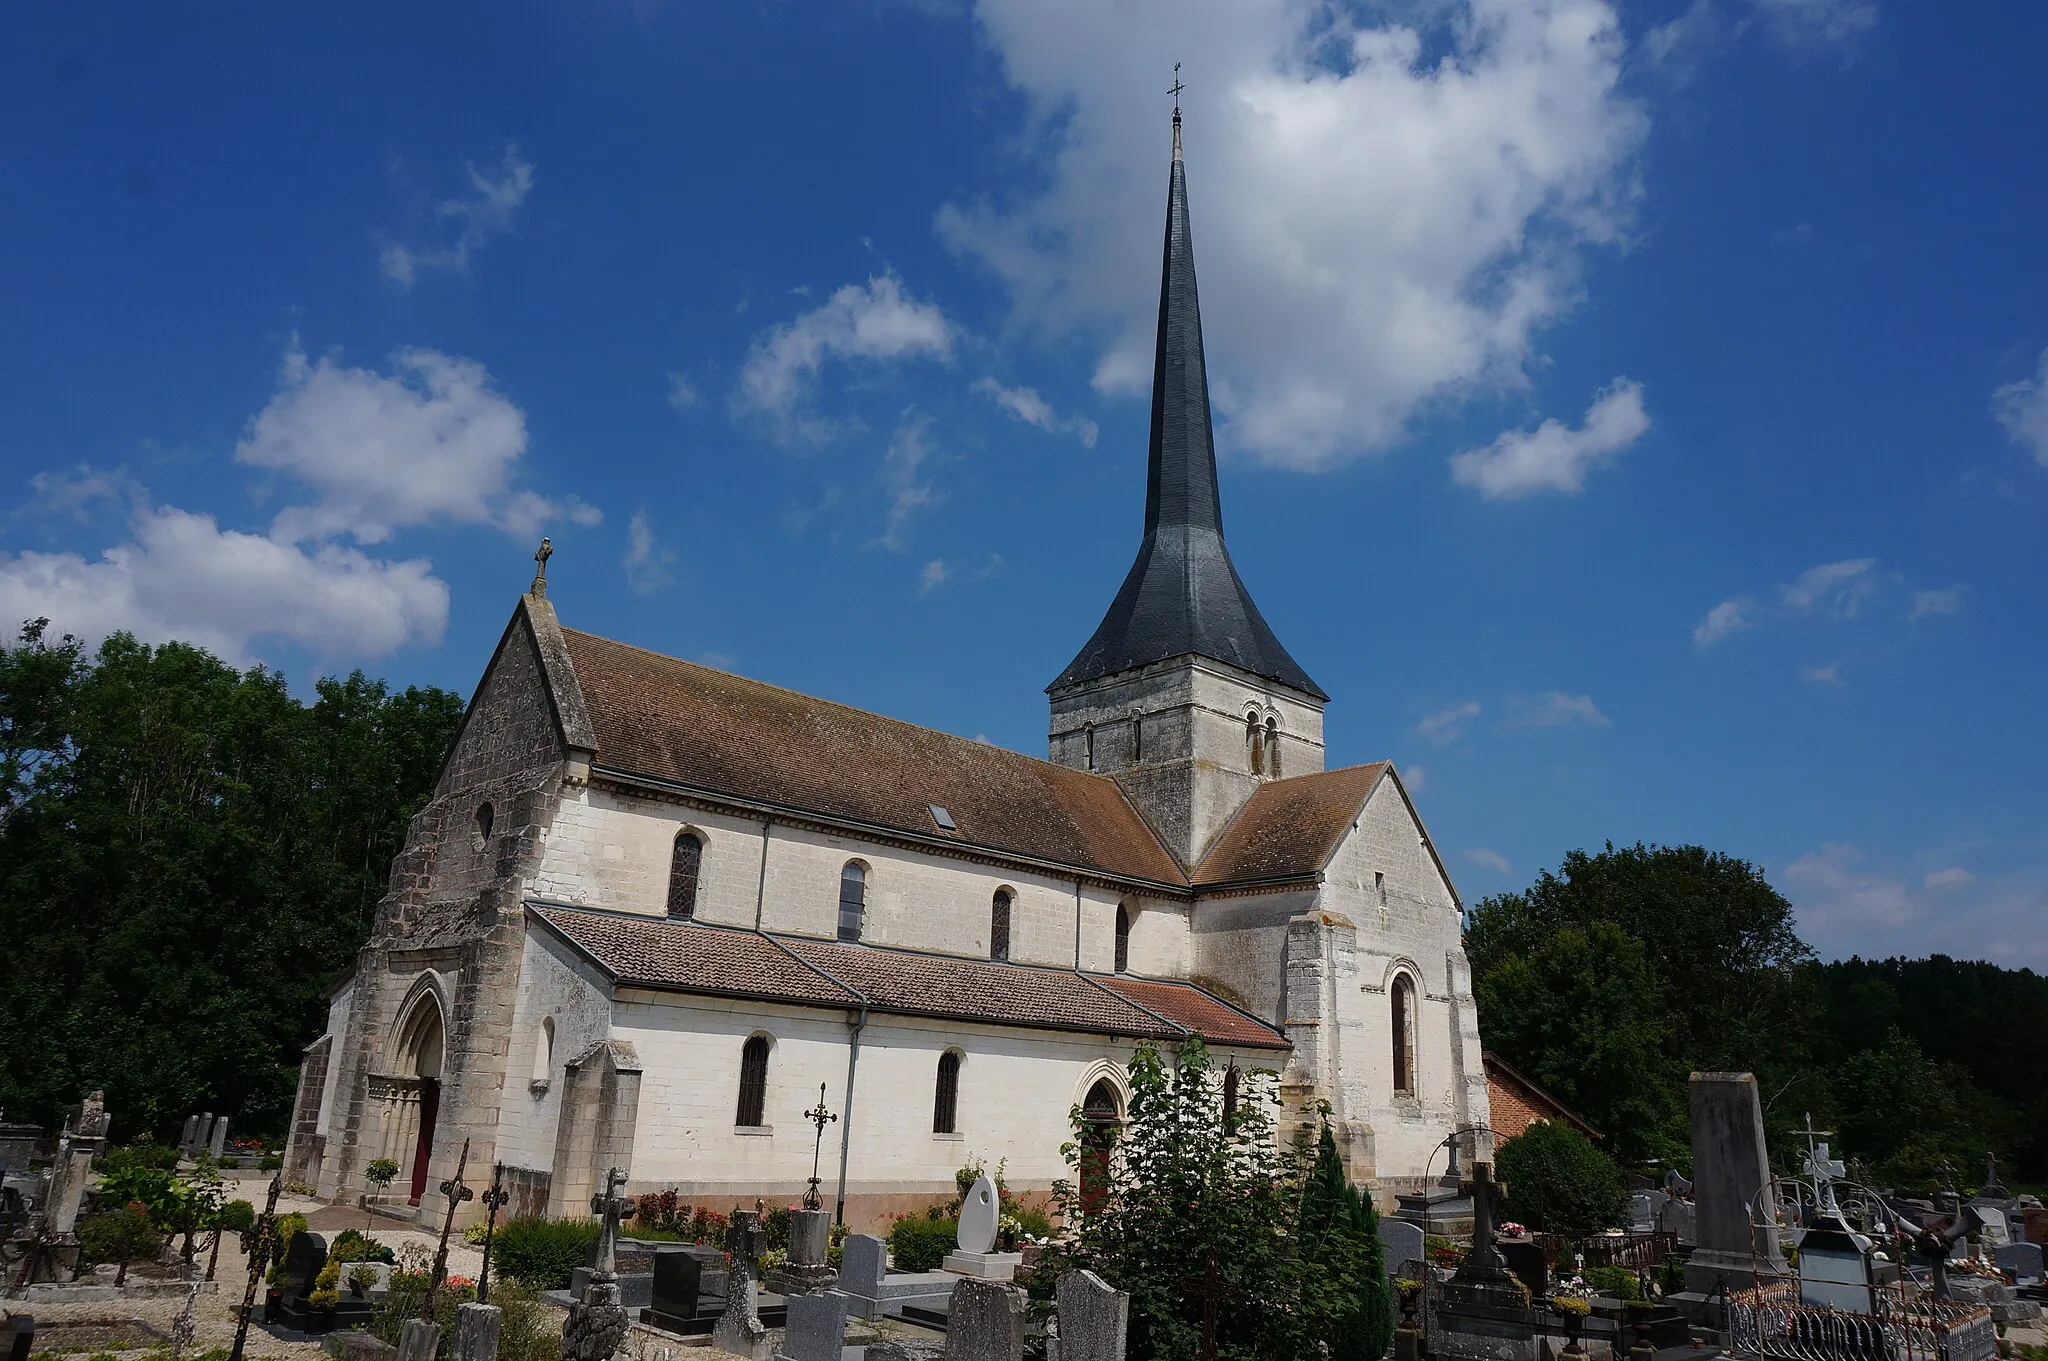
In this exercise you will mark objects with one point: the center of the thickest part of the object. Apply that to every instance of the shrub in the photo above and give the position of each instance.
(1559, 1183)
(237, 1216)
(353, 1245)
(920, 1244)
(121, 1236)
(143, 1154)
(362, 1278)
(542, 1252)
(326, 1291)
(270, 1162)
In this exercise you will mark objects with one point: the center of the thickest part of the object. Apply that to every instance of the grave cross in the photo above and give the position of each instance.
(457, 1192)
(820, 1117)
(610, 1207)
(539, 589)
(1211, 1289)
(496, 1196)
(261, 1239)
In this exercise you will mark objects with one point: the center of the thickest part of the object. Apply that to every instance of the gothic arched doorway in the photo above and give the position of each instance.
(421, 1045)
(1101, 1118)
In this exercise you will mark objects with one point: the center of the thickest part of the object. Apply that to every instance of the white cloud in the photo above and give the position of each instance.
(180, 576)
(2022, 408)
(1026, 405)
(1847, 906)
(483, 212)
(73, 495)
(876, 322)
(1829, 674)
(1809, 23)
(1556, 709)
(1837, 588)
(1928, 603)
(682, 393)
(431, 442)
(1730, 616)
(1446, 726)
(1553, 456)
(1383, 216)
(648, 565)
(1492, 860)
(934, 575)
(910, 490)
(1414, 777)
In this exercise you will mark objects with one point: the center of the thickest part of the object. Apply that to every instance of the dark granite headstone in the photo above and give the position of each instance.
(2023, 1260)
(304, 1256)
(689, 1289)
(1525, 1258)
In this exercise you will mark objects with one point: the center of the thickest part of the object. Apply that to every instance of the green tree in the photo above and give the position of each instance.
(1197, 1218)
(1343, 1266)
(122, 1236)
(1558, 1182)
(1913, 1120)
(189, 856)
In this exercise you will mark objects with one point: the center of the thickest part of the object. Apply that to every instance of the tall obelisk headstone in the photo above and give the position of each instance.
(1731, 1171)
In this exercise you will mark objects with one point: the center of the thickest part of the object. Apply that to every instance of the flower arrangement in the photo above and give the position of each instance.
(1513, 1230)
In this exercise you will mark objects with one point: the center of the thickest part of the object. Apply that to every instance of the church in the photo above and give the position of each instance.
(657, 915)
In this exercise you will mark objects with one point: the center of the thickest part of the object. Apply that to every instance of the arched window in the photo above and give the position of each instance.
(544, 1053)
(1255, 738)
(1404, 1035)
(1273, 747)
(1230, 1097)
(853, 899)
(484, 818)
(683, 866)
(1137, 738)
(1123, 939)
(1101, 1118)
(999, 925)
(753, 1082)
(946, 1095)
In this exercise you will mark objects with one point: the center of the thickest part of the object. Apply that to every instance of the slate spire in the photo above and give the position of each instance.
(1182, 594)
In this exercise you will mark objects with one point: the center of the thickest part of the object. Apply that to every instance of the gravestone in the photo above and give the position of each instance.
(2023, 1260)
(21, 1336)
(1731, 1171)
(191, 1135)
(985, 1322)
(218, 1144)
(1677, 1218)
(980, 1210)
(1995, 1233)
(418, 1340)
(806, 1270)
(1525, 1258)
(815, 1329)
(2035, 1218)
(476, 1332)
(739, 1329)
(863, 1263)
(1403, 1243)
(1642, 1213)
(1485, 1313)
(1094, 1318)
(304, 1256)
(597, 1322)
(688, 1290)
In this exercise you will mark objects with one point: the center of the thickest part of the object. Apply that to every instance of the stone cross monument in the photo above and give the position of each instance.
(598, 1322)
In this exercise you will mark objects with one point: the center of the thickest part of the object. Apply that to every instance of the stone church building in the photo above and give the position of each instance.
(655, 912)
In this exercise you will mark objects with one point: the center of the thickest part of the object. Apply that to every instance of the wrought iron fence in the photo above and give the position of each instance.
(1770, 1322)
(1636, 1251)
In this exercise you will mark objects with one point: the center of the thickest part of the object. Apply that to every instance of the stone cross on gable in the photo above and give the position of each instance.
(539, 589)
(610, 1207)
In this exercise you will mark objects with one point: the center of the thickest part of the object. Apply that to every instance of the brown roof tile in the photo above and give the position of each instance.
(1190, 1007)
(657, 952)
(1289, 826)
(673, 720)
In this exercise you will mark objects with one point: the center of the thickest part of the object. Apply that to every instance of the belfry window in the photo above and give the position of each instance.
(853, 899)
(1123, 939)
(1255, 739)
(753, 1083)
(946, 1095)
(1403, 1002)
(999, 925)
(1273, 747)
(684, 863)
(1088, 736)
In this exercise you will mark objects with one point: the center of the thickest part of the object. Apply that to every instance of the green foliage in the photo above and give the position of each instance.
(1558, 1182)
(1192, 1218)
(236, 1216)
(1615, 1282)
(381, 1172)
(542, 1252)
(1343, 1266)
(527, 1331)
(143, 1153)
(188, 857)
(121, 1236)
(353, 1245)
(1706, 975)
(920, 1243)
(1906, 1115)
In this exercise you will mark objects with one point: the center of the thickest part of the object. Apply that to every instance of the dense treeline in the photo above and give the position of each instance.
(189, 859)
(1612, 979)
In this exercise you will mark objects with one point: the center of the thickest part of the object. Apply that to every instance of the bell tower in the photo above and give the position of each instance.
(1183, 694)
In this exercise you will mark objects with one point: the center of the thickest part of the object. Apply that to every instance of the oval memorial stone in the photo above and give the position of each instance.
(978, 1216)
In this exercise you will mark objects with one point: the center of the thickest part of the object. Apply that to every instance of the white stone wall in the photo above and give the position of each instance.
(610, 848)
(337, 1026)
(555, 984)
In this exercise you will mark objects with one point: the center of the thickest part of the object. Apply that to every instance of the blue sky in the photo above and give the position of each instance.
(1635, 416)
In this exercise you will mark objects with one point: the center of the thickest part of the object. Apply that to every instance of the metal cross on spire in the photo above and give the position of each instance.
(1177, 87)
(539, 589)
(820, 1117)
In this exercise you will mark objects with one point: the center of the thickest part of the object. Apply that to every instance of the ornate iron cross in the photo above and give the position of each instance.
(457, 1192)
(495, 1197)
(820, 1117)
(261, 1237)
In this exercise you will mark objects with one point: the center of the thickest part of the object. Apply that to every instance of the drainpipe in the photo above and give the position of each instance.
(846, 1111)
(761, 892)
(1077, 926)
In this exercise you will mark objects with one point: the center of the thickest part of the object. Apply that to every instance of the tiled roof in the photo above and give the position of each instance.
(673, 720)
(1289, 826)
(656, 952)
